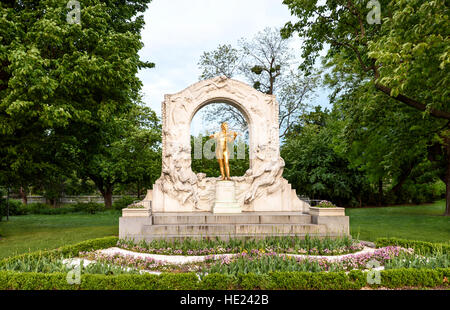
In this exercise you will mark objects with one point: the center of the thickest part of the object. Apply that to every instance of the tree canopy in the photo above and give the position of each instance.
(63, 84)
(405, 58)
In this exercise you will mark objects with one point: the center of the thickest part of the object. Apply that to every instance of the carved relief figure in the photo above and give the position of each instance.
(269, 175)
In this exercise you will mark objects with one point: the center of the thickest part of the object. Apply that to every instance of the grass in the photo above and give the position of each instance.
(40, 232)
(419, 222)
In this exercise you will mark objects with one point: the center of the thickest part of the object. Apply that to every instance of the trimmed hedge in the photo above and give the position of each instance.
(420, 247)
(393, 278)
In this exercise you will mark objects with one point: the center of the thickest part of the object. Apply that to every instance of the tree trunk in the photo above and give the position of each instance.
(380, 192)
(107, 196)
(23, 195)
(404, 175)
(105, 189)
(138, 190)
(447, 175)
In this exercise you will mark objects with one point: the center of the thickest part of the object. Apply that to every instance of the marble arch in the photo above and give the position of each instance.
(262, 188)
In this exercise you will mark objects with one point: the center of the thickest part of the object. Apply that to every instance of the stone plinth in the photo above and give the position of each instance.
(226, 198)
(254, 225)
(316, 211)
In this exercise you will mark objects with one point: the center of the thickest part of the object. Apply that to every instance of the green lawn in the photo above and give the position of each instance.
(35, 232)
(420, 222)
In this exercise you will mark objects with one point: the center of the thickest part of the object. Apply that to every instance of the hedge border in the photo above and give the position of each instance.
(355, 279)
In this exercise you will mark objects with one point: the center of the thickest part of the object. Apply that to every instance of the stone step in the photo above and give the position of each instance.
(253, 218)
(175, 237)
(233, 229)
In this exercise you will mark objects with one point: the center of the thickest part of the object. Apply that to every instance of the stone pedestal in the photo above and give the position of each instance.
(226, 198)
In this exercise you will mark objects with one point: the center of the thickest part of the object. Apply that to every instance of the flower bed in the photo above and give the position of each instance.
(255, 261)
(254, 269)
(288, 245)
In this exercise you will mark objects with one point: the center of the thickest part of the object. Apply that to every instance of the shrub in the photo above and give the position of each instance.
(89, 207)
(37, 208)
(123, 202)
(396, 278)
(16, 207)
(326, 204)
(217, 281)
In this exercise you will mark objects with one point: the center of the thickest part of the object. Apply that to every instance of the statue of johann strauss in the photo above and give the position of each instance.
(223, 138)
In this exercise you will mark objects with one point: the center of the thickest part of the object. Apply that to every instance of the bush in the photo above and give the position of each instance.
(37, 208)
(42, 208)
(123, 202)
(420, 247)
(16, 207)
(88, 207)
(395, 278)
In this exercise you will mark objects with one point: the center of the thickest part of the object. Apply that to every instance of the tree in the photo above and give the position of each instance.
(265, 61)
(126, 151)
(405, 57)
(222, 61)
(376, 138)
(315, 169)
(61, 83)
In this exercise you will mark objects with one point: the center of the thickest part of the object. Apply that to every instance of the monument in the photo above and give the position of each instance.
(259, 203)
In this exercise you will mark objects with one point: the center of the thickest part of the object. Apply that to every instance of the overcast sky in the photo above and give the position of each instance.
(177, 32)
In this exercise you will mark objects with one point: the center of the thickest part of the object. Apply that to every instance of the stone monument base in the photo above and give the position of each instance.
(226, 198)
(207, 225)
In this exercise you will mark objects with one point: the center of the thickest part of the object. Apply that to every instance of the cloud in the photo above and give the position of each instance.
(177, 32)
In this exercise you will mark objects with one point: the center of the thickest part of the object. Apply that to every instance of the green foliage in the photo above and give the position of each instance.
(88, 207)
(400, 64)
(210, 167)
(263, 265)
(420, 247)
(188, 246)
(326, 204)
(15, 207)
(388, 142)
(123, 202)
(217, 282)
(395, 278)
(42, 208)
(413, 51)
(222, 61)
(67, 89)
(355, 279)
(314, 168)
(419, 261)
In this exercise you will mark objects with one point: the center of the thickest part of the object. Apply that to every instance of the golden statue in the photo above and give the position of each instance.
(222, 152)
